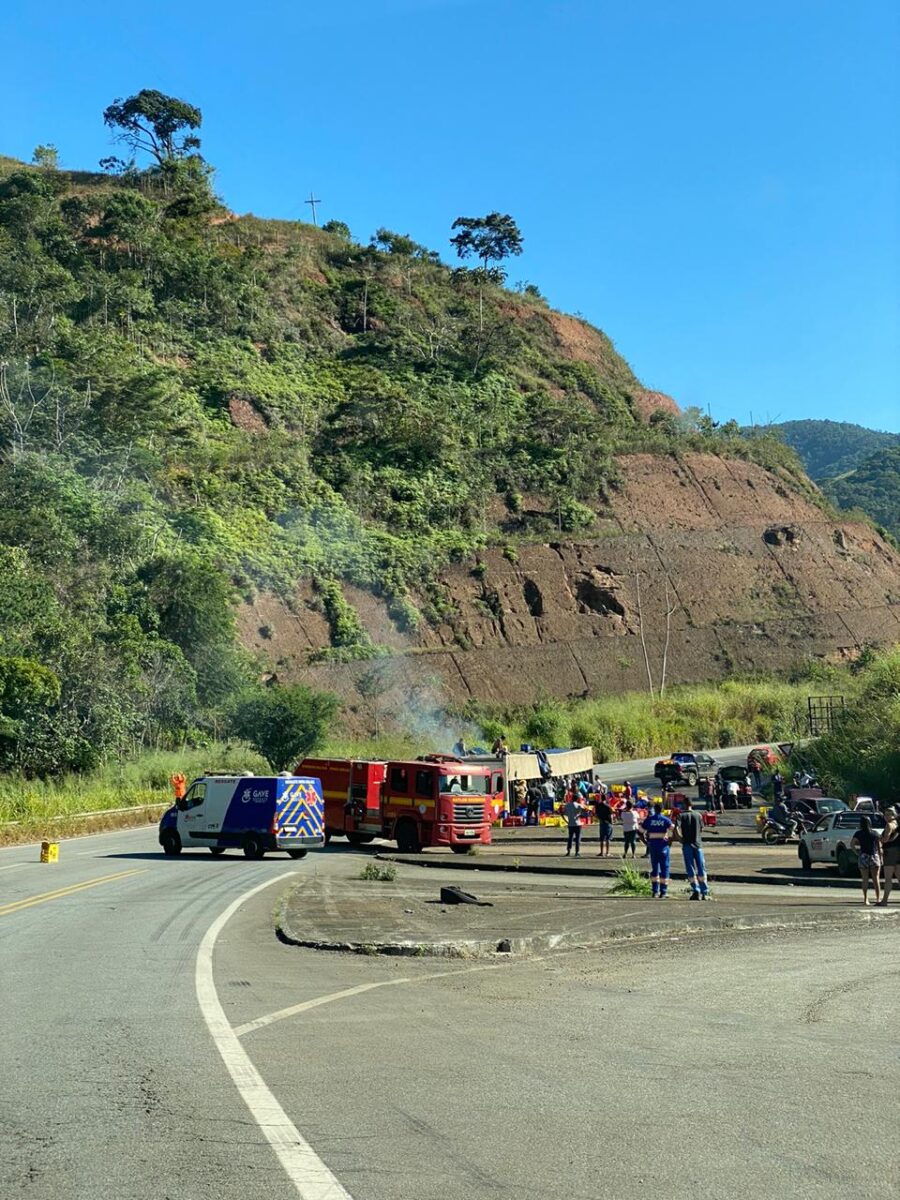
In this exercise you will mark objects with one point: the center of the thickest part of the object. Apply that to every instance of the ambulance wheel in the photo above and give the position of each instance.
(215, 851)
(360, 839)
(296, 854)
(171, 843)
(253, 847)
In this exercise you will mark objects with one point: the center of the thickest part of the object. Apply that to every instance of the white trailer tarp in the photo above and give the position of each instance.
(525, 766)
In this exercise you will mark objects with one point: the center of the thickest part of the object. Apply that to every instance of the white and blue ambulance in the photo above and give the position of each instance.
(252, 813)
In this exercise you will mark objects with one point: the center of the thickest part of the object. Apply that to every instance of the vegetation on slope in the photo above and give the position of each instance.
(862, 756)
(829, 448)
(636, 725)
(873, 486)
(194, 405)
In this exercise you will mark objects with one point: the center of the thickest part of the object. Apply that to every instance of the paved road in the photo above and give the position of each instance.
(760, 1065)
(640, 770)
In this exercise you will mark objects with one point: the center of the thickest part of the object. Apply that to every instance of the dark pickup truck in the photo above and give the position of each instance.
(685, 769)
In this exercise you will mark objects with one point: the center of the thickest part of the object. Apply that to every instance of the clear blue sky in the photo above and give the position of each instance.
(713, 183)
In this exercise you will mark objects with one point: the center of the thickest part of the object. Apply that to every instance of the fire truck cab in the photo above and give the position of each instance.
(434, 801)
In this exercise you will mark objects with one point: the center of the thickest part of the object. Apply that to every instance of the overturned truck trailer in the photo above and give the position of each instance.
(522, 765)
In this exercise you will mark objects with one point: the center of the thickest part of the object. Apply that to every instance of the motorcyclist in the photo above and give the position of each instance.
(779, 814)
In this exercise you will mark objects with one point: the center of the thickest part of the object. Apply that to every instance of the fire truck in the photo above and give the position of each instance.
(433, 801)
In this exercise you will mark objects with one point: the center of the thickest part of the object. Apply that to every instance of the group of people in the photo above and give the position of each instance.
(876, 848)
(658, 833)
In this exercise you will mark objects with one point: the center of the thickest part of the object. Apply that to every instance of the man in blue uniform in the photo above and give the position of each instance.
(658, 832)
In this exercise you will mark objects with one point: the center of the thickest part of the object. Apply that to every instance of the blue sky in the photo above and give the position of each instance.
(714, 183)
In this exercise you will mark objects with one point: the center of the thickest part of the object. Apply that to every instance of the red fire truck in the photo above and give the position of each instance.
(425, 802)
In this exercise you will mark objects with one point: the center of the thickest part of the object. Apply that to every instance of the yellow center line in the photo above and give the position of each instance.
(44, 897)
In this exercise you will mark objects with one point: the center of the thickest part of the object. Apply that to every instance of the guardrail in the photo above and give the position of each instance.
(100, 812)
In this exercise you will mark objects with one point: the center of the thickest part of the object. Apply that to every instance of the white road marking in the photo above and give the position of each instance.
(294, 1009)
(304, 1168)
(283, 1013)
(12, 866)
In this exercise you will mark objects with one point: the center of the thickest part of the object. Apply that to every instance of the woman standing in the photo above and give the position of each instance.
(868, 844)
(890, 842)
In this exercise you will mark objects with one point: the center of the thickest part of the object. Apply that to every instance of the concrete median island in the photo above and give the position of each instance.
(406, 916)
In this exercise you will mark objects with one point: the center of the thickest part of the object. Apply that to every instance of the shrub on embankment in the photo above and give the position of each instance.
(636, 725)
(862, 755)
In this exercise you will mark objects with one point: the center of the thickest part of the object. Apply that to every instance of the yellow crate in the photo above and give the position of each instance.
(49, 852)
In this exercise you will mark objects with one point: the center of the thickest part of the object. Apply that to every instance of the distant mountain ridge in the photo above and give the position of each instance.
(874, 486)
(830, 448)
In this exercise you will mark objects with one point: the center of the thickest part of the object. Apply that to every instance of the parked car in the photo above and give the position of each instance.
(684, 769)
(761, 758)
(829, 841)
(815, 805)
(734, 774)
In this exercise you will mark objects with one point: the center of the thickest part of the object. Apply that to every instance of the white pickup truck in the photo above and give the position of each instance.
(829, 841)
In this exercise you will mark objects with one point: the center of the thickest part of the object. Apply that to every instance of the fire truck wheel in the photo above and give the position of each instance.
(360, 839)
(407, 837)
(296, 854)
(253, 847)
(460, 849)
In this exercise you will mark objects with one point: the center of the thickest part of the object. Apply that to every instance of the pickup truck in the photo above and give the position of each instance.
(829, 840)
(684, 769)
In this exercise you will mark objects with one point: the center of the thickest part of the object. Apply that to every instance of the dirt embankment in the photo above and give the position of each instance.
(752, 576)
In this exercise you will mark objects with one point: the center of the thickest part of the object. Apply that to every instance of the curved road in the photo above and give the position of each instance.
(749, 1067)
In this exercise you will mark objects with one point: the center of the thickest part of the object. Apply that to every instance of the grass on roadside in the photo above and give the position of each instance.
(140, 782)
(630, 881)
(380, 874)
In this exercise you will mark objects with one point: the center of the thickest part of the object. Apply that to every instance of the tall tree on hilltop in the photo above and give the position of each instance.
(490, 239)
(156, 124)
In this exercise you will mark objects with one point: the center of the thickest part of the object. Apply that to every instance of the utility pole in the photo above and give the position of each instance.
(312, 202)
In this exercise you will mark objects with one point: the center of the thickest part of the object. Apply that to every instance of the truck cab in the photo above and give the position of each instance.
(438, 802)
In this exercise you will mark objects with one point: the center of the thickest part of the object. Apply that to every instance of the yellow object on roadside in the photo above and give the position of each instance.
(49, 852)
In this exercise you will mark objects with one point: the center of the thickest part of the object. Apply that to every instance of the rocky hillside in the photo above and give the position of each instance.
(754, 578)
(353, 458)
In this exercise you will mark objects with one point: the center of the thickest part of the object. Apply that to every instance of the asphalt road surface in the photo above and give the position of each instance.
(640, 771)
(755, 1066)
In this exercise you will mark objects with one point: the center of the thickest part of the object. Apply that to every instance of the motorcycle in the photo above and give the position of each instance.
(775, 834)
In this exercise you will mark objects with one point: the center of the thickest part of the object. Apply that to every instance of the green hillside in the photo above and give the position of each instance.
(829, 448)
(195, 405)
(874, 486)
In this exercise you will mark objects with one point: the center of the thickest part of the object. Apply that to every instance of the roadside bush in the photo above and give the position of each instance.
(379, 873)
(284, 723)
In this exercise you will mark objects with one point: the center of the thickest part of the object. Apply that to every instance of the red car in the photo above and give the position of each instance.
(761, 757)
